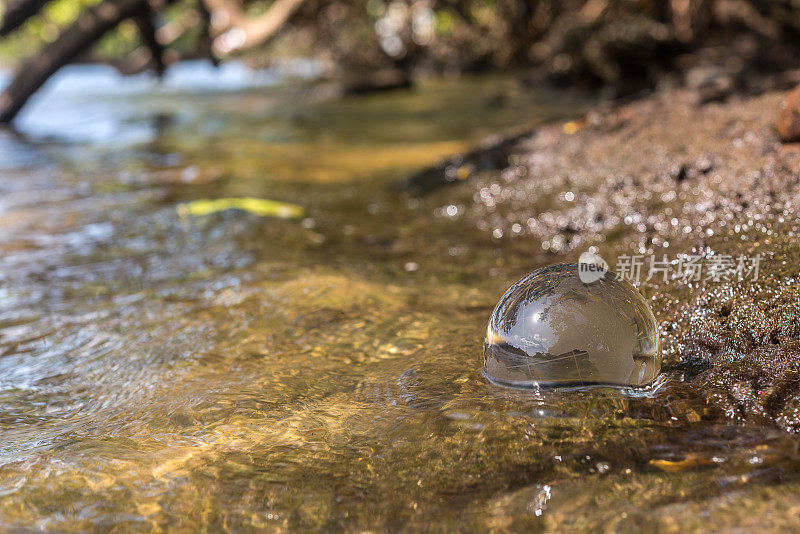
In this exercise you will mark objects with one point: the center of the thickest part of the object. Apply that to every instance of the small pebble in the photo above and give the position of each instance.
(789, 118)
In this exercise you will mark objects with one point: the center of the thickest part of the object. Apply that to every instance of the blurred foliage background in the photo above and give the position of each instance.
(593, 41)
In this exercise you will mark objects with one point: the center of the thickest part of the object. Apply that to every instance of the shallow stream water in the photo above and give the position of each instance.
(232, 372)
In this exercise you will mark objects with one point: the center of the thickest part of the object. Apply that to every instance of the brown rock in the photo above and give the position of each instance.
(789, 118)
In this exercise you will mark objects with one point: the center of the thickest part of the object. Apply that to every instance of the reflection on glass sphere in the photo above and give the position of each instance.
(551, 329)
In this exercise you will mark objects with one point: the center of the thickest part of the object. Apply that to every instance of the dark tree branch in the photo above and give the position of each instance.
(84, 32)
(206, 38)
(147, 30)
(17, 12)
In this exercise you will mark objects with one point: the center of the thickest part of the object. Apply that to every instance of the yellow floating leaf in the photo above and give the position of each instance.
(257, 206)
(691, 460)
(573, 127)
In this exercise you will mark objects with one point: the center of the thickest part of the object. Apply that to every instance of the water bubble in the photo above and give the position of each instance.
(552, 329)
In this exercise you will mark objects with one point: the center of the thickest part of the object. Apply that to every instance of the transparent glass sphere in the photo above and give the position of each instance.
(552, 329)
